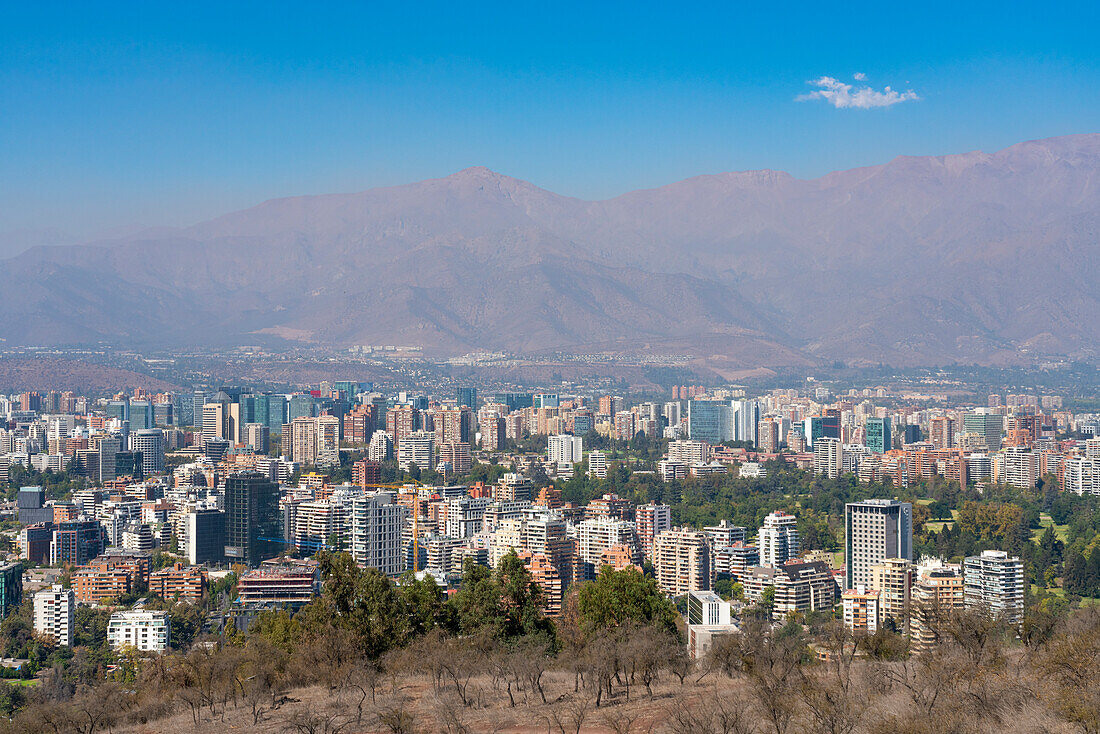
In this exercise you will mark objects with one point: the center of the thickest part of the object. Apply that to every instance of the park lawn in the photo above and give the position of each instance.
(1045, 520)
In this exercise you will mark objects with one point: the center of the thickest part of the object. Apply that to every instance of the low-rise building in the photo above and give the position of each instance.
(799, 587)
(279, 583)
(141, 629)
(862, 610)
(187, 583)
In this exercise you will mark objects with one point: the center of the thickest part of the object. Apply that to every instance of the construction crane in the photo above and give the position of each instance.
(288, 542)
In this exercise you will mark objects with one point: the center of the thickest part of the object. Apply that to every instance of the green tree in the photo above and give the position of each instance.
(617, 597)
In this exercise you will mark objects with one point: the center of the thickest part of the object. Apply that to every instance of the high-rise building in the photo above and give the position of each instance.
(597, 464)
(492, 432)
(875, 530)
(251, 518)
(828, 457)
(77, 541)
(215, 421)
(257, 437)
(108, 448)
(994, 581)
(710, 421)
(315, 441)
(596, 535)
(878, 435)
(689, 452)
(746, 417)
(563, 449)
(456, 456)
(651, 520)
(723, 535)
(936, 591)
(150, 442)
(374, 525)
(360, 423)
(778, 539)
(989, 426)
(466, 396)
(893, 577)
(862, 613)
(942, 432)
(1017, 466)
(454, 425)
(767, 435)
(55, 614)
(682, 561)
(204, 540)
(416, 448)
(141, 415)
(11, 587)
(401, 420)
(381, 446)
(366, 472)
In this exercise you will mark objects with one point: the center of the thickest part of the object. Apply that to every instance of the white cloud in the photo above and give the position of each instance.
(841, 95)
(859, 76)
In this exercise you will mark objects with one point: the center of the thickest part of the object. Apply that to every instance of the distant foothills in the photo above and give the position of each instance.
(978, 258)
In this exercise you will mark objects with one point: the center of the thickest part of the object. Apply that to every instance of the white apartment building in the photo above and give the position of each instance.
(143, 630)
(563, 449)
(995, 581)
(55, 614)
(597, 464)
(374, 525)
(777, 540)
(828, 457)
(417, 448)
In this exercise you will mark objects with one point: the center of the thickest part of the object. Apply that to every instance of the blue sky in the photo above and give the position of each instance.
(119, 113)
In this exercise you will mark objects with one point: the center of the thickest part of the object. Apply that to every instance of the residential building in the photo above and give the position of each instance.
(875, 530)
(416, 448)
(146, 631)
(936, 592)
(597, 464)
(650, 521)
(994, 581)
(187, 583)
(596, 535)
(682, 562)
(55, 614)
(778, 539)
(862, 613)
(374, 525)
(735, 560)
(799, 587)
(893, 577)
(563, 449)
(828, 457)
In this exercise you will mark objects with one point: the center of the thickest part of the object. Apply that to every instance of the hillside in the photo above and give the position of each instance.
(979, 257)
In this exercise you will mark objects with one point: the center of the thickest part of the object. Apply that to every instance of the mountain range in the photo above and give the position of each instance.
(987, 258)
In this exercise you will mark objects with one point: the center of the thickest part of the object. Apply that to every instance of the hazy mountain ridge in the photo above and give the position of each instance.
(920, 260)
